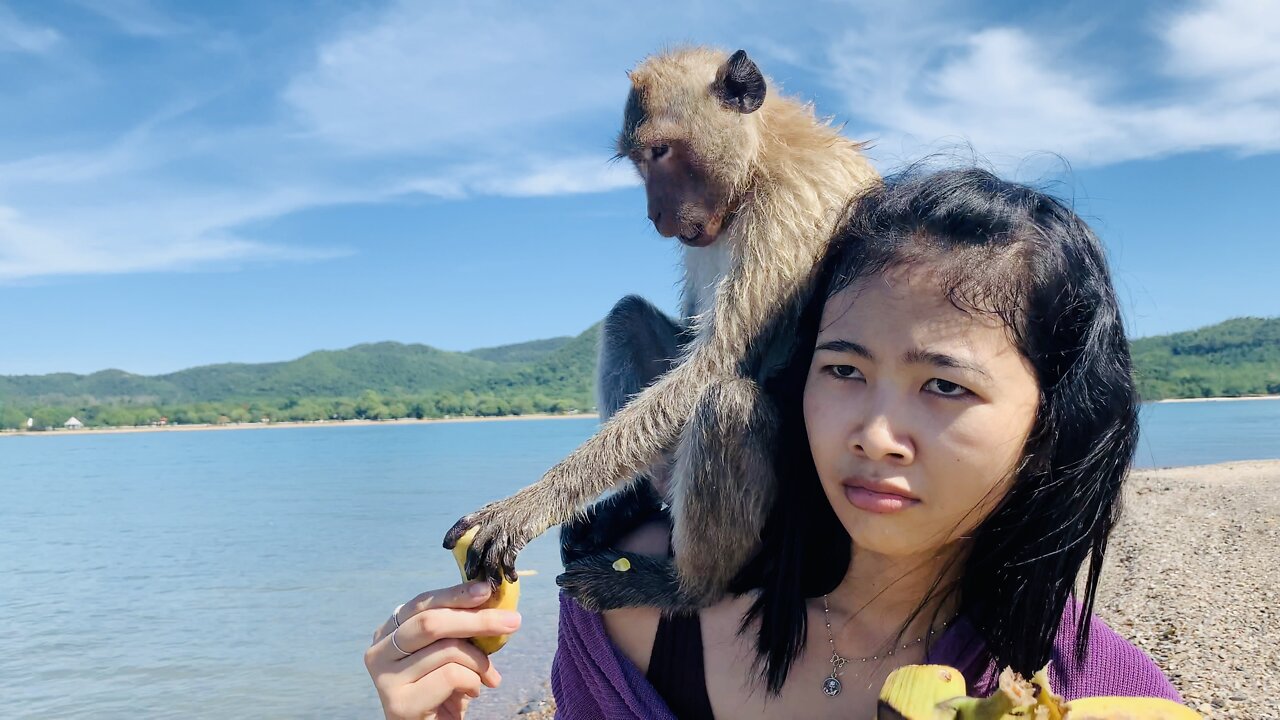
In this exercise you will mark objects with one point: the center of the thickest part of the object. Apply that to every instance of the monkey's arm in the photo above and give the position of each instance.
(745, 315)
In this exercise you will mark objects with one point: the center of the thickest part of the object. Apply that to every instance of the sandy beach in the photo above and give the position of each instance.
(285, 424)
(1193, 578)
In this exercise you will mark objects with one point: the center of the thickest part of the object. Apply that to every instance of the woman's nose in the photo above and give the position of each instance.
(881, 437)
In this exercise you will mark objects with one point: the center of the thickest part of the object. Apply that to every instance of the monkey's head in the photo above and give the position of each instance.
(692, 131)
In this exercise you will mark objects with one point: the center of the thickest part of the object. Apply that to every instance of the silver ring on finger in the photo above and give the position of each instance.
(395, 615)
(396, 645)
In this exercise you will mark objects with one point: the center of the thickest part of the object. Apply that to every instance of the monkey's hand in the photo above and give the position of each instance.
(506, 527)
(610, 580)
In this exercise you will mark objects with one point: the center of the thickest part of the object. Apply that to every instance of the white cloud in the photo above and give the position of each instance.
(411, 99)
(435, 78)
(1231, 46)
(567, 176)
(138, 237)
(532, 177)
(1011, 93)
(520, 99)
(18, 36)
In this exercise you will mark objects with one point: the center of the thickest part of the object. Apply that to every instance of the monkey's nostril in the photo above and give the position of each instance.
(656, 217)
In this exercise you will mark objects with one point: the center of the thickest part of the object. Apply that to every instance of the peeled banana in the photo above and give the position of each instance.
(937, 692)
(506, 597)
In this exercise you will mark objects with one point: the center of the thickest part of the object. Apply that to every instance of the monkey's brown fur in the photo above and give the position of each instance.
(765, 181)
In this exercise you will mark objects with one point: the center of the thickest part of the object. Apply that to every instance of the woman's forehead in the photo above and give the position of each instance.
(909, 303)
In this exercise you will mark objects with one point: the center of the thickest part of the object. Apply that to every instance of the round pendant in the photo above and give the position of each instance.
(831, 687)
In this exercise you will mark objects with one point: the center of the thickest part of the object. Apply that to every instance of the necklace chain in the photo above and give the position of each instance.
(831, 685)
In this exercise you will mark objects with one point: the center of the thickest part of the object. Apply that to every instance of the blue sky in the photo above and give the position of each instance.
(190, 183)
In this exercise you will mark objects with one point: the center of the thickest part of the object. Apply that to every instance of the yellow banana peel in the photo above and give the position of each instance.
(937, 692)
(916, 692)
(506, 597)
(1127, 708)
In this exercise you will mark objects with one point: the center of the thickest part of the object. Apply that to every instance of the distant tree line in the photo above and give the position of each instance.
(1230, 359)
(369, 405)
(388, 380)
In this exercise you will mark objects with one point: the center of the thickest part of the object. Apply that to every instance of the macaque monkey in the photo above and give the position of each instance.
(753, 185)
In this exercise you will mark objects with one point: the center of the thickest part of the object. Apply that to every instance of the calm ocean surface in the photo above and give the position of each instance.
(240, 574)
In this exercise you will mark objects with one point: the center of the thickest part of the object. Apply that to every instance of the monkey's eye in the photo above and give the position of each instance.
(658, 151)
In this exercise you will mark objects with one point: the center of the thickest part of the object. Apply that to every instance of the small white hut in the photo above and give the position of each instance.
(73, 424)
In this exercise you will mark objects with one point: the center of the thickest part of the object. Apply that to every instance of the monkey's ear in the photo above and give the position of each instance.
(739, 84)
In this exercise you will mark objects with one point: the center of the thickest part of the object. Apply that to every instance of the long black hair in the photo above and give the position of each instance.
(1009, 250)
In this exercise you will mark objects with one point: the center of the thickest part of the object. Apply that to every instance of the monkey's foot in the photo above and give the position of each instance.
(610, 580)
(504, 531)
(602, 525)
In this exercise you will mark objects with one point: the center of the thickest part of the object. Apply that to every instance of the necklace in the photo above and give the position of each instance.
(831, 686)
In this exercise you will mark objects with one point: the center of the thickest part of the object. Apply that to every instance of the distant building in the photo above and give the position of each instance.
(73, 424)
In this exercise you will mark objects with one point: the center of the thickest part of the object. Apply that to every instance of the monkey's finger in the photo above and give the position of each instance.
(474, 566)
(509, 565)
(459, 529)
(491, 563)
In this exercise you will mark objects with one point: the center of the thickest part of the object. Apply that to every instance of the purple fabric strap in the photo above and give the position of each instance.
(592, 680)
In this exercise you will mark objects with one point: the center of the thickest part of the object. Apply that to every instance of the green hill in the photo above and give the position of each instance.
(525, 352)
(384, 380)
(1236, 357)
(387, 367)
(379, 380)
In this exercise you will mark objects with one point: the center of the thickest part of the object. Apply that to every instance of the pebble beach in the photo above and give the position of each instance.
(1193, 578)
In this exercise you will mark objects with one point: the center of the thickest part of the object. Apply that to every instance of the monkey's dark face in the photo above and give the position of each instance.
(685, 136)
(684, 200)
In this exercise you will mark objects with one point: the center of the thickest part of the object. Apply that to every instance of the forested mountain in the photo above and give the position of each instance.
(386, 380)
(1236, 357)
(380, 380)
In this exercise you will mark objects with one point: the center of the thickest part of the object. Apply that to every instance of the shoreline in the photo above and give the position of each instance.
(1241, 398)
(63, 432)
(1190, 579)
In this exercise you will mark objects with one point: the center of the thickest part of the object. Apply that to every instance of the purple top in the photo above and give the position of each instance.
(592, 680)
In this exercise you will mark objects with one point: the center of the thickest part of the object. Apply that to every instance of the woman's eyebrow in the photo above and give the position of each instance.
(938, 359)
(846, 346)
(917, 356)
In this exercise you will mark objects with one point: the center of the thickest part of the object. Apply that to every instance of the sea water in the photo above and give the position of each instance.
(226, 574)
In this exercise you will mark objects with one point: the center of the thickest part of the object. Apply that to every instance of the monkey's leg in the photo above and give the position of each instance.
(638, 343)
(724, 483)
(604, 523)
(634, 441)
(724, 486)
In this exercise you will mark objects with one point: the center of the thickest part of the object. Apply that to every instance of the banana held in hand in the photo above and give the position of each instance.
(506, 597)
(936, 692)
(916, 692)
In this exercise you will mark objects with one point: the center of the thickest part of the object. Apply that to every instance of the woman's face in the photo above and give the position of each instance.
(916, 412)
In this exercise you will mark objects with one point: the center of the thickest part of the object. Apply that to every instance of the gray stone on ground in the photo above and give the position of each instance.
(1193, 578)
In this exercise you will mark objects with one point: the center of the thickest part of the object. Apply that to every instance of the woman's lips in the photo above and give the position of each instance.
(877, 497)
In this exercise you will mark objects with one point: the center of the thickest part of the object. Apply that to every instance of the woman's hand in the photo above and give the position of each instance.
(420, 660)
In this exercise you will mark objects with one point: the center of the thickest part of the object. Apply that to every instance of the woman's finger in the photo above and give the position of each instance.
(465, 595)
(419, 631)
(441, 652)
(443, 683)
(425, 628)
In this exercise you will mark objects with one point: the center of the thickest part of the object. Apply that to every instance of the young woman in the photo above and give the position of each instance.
(955, 436)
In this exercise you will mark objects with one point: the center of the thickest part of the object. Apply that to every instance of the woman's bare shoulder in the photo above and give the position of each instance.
(633, 629)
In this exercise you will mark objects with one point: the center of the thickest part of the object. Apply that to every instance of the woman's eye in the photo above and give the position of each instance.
(945, 387)
(847, 372)
(657, 151)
